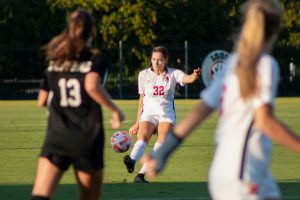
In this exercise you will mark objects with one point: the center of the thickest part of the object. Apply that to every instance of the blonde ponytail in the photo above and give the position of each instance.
(261, 23)
(249, 48)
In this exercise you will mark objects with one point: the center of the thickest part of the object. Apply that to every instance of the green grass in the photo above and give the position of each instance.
(22, 129)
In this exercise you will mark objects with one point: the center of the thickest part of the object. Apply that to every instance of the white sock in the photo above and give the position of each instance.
(155, 148)
(138, 150)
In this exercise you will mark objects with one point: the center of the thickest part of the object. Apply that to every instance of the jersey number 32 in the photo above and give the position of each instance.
(159, 90)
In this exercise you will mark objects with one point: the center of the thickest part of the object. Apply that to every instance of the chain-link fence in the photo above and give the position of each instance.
(22, 66)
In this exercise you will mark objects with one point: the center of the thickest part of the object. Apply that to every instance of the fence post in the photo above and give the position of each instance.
(121, 69)
(186, 66)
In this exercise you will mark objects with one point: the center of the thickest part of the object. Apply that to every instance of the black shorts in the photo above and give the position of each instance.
(88, 157)
(82, 164)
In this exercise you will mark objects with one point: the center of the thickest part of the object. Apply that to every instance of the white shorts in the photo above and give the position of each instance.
(156, 119)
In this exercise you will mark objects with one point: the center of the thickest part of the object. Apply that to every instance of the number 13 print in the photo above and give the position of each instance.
(69, 92)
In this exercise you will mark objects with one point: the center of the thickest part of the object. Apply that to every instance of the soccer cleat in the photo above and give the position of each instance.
(129, 163)
(140, 178)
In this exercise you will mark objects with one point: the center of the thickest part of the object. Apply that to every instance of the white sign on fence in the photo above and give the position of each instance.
(212, 65)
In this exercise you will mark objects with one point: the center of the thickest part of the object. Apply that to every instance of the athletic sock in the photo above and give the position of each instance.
(162, 154)
(138, 150)
(156, 146)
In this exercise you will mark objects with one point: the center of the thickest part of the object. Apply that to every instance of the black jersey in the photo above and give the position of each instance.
(75, 121)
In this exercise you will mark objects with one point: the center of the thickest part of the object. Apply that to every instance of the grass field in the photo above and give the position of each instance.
(22, 129)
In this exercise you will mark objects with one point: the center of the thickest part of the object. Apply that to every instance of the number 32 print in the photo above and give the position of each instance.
(159, 90)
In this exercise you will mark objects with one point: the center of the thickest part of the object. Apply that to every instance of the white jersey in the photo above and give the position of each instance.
(159, 90)
(243, 153)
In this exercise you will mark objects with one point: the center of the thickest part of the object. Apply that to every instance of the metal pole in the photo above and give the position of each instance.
(186, 66)
(121, 69)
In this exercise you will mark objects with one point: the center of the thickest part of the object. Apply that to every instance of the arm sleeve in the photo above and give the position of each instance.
(141, 79)
(178, 74)
(268, 72)
(212, 94)
(101, 63)
(44, 83)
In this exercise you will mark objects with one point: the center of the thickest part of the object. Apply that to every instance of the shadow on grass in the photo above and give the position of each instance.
(151, 191)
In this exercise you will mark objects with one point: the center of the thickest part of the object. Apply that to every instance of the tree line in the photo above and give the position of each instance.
(137, 21)
(140, 24)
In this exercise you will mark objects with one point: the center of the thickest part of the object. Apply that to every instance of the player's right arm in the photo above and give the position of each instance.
(266, 122)
(42, 98)
(264, 117)
(43, 92)
(141, 90)
(134, 128)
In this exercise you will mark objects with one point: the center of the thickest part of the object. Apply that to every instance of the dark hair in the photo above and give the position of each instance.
(161, 49)
(70, 44)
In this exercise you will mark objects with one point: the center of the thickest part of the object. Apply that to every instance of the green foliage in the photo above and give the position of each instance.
(140, 24)
(28, 21)
(129, 21)
(195, 21)
(140, 21)
(291, 23)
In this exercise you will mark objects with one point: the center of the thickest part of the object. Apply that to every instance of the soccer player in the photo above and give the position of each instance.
(244, 95)
(75, 134)
(156, 112)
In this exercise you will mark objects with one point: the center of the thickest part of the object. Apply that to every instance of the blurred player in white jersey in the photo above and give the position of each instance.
(244, 95)
(156, 112)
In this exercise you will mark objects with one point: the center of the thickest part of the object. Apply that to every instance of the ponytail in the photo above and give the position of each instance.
(68, 45)
(261, 22)
(249, 48)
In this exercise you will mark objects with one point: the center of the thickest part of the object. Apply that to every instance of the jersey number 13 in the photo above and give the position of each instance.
(69, 92)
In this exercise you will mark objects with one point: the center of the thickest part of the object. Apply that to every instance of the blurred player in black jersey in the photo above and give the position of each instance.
(72, 86)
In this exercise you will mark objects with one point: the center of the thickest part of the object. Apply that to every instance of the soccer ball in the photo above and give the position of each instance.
(120, 141)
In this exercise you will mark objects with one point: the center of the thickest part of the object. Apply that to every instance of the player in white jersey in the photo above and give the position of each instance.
(156, 112)
(244, 95)
(158, 94)
(243, 151)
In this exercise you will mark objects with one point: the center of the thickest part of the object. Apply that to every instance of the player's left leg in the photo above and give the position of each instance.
(47, 178)
(140, 178)
(89, 184)
(144, 134)
(162, 131)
